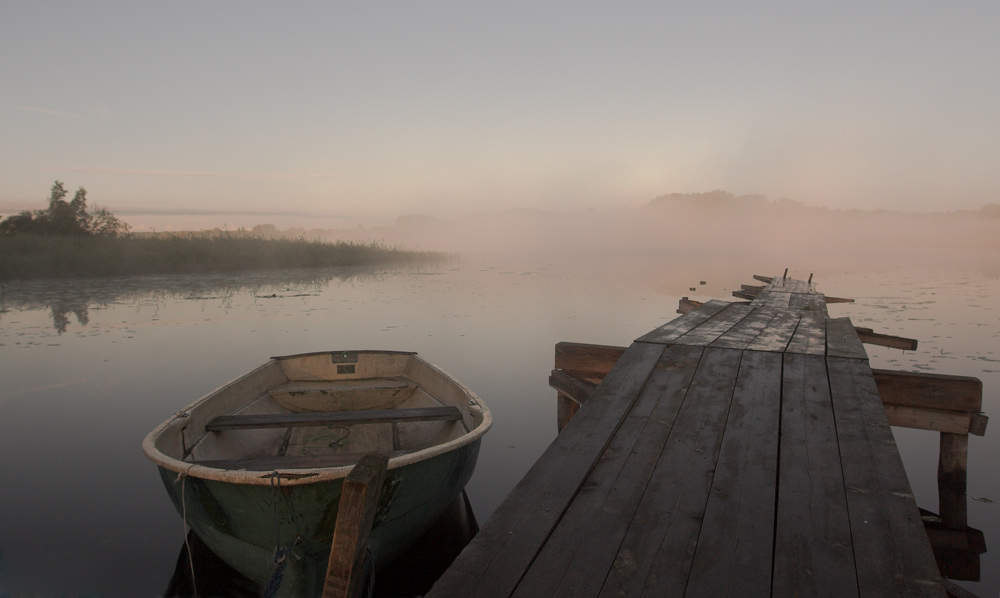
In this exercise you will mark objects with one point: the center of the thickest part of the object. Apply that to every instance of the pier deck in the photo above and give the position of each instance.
(740, 450)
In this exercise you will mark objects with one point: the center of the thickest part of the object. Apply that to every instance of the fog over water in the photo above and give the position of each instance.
(91, 365)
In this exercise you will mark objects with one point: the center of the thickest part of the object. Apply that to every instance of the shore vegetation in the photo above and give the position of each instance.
(67, 240)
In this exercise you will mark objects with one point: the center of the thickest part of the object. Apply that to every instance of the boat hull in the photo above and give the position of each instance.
(245, 524)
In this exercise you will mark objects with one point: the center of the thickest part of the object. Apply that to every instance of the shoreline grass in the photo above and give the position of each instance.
(30, 256)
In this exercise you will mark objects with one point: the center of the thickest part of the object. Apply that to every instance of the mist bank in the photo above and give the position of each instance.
(746, 231)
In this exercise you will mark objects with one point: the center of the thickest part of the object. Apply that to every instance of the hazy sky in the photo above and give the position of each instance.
(372, 110)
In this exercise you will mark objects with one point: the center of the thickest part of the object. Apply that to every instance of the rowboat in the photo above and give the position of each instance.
(255, 467)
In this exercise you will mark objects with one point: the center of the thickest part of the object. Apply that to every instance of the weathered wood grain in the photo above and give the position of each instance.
(715, 327)
(810, 335)
(891, 550)
(496, 559)
(777, 334)
(842, 340)
(933, 391)
(813, 555)
(679, 326)
(734, 552)
(746, 331)
(327, 418)
(870, 337)
(615, 486)
(655, 555)
(585, 360)
(345, 575)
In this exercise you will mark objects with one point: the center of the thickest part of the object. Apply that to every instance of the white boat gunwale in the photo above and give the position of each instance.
(291, 476)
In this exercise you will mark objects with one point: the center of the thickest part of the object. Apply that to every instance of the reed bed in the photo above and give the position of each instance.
(31, 256)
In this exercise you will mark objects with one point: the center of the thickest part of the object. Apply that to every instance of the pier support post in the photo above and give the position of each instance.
(952, 467)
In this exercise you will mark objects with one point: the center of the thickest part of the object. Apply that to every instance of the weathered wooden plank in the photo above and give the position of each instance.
(813, 554)
(327, 418)
(744, 332)
(346, 570)
(655, 555)
(764, 279)
(842, 340)
(891, 550)
(585, 360)
(778, 332)
(828, 299)
(809, 302)
(810, 335)
(679, 326)
(744, 295)
(685, 305)
(939, 420)
(571, 561)
(734, 552)
(776, 299)
(870, 337)
(496, 559)
(934, 391)
(576, 389)
(715, 327)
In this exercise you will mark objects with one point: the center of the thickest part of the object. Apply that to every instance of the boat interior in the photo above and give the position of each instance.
(323, 410)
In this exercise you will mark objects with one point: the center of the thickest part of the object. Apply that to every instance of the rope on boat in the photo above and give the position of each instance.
(281, 551)
(280, 560)
(182, 477)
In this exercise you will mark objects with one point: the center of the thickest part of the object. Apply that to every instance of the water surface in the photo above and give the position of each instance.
(89, 367)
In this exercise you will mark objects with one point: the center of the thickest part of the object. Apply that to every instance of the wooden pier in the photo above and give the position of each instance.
(742, 449)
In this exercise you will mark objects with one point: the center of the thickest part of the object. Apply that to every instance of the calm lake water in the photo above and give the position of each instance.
(89, 367)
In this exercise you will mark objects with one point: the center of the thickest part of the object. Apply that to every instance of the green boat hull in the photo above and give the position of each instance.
(246, 525)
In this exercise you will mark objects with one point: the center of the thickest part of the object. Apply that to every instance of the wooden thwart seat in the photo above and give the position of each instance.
(330, 418)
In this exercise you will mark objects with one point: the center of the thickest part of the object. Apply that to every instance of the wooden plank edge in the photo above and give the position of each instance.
(346, 570)
(764, 279)
(870, 337)
(939, 420)
(286, 420)
(934, 391)
(571, 387)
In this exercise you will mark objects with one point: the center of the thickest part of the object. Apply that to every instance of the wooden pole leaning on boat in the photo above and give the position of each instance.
(345, 573)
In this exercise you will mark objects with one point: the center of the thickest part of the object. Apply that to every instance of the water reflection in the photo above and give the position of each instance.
(69, 299)
(90, 366)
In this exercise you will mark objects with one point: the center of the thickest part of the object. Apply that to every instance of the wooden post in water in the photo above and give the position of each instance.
(345, 574)
(952, 467)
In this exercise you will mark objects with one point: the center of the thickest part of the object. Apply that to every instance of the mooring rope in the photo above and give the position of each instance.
(281, 551)
(182, 476)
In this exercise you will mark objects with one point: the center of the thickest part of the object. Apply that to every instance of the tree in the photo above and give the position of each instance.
(64, 218)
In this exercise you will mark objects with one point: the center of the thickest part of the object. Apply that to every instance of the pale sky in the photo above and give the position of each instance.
(365, 111)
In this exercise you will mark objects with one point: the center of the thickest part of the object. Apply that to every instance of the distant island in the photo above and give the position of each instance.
(69, 240)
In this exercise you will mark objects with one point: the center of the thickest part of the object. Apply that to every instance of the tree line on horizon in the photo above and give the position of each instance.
(65, 218)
